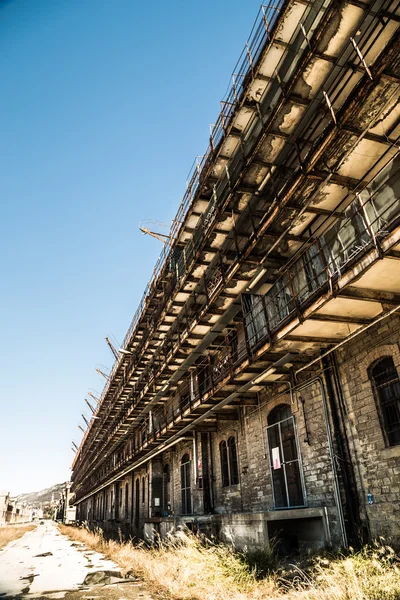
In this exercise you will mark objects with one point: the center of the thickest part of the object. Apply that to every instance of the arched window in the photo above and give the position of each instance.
(229, 462)
(143, 489)
(385, 381)
(186, 490)
(279, 413)
(233, 462)
(127, 501)
(285, 463)
(224, 464)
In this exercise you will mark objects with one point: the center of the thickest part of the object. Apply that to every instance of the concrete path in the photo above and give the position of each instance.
(45, 564)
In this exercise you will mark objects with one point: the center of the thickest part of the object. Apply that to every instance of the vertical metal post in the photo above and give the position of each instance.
(264, 305)
(369, 226)
(362, 59)
(264, 18)
(234, 87)
(249, 56)
(328, 102)
(211, 137)
(283, 464)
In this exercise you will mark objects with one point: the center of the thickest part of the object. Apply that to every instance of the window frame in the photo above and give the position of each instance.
(186, 484)
(233, 460)
(384, 419)
(223, 455)
(282, 416)
(229, 462)
(126, 501)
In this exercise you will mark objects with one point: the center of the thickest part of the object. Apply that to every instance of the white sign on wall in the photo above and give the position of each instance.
(276, 459)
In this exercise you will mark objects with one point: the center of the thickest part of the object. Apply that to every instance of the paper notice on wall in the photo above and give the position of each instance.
(276, 459)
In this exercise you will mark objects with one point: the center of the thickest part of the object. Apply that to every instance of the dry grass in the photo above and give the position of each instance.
(8, 533)
(187, 569)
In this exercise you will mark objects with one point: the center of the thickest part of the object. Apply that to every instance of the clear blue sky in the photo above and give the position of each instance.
(104, 105)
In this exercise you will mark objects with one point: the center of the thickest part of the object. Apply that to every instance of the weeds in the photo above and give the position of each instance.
(188, 567)
(262, 562)
(9, 533)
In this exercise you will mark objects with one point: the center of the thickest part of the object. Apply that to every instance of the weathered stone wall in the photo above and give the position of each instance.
(377, 466)
(254, 491)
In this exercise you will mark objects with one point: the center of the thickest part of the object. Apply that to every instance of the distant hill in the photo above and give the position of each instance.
(44, 496)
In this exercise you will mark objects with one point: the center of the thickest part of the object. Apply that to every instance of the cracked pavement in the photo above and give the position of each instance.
(45, 564)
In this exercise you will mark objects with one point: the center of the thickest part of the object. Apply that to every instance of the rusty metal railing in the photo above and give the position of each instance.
(243, 71)
(370, 217)
(240, 79)
(251, 53)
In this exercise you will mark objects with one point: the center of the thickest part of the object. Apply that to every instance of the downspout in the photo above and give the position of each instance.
(196, 473)
(342, 447)
(265, 456)
(212, 493)
(336, 489)
(343, 414)
(173, 485)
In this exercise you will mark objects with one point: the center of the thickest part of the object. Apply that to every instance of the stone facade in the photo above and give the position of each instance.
(149, 502)
(377, 464)
(257, 392)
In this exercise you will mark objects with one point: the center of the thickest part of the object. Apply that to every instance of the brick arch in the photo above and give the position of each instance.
(273, 404)
(227, 433)
(183, 454)
(375, 354)
(278, 408)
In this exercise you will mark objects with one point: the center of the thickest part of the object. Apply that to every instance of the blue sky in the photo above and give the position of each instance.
(104, 105)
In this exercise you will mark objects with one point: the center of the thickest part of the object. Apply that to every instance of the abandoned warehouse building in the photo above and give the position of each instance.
(257, 391)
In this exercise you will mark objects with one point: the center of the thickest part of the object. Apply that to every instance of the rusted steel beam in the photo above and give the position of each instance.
(340, 319)
(383, 297)
(348, 182)
(308, 338)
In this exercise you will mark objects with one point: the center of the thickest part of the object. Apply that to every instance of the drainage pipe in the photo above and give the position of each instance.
(336, 488)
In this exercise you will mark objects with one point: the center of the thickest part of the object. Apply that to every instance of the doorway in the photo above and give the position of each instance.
(284, 459)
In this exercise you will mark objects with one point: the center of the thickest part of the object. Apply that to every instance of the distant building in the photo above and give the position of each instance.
(257, 393)
(5, 508)
(64, 510)
(12, 511)
(37, 514)
(69, 510)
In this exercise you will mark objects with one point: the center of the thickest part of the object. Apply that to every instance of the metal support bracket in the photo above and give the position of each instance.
(361, 57)
(328, 102)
